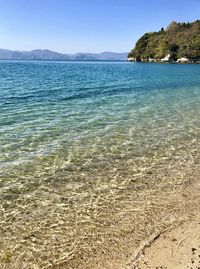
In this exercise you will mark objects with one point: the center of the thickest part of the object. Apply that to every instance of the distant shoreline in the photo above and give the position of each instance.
(73, 61)
(163, 62)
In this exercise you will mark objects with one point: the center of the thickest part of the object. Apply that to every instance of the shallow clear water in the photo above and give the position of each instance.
(75, 136)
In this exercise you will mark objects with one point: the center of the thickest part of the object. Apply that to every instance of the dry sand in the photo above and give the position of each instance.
(178, 248)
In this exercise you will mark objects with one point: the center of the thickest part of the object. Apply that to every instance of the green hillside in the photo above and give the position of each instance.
(178, 40)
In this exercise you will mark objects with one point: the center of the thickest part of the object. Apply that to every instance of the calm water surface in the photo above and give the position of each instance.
(82, 146)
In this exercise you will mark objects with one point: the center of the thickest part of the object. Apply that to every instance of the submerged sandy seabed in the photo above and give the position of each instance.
(44, 230)
(95, 214)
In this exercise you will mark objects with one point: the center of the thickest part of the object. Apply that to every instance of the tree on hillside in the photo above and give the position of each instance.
(179, 39)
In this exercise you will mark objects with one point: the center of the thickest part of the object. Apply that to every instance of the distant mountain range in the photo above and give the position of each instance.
(39, 54)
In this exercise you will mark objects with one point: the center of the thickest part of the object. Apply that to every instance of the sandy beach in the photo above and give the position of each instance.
(177, 247)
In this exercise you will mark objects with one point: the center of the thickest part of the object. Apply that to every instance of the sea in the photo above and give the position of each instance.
(94, 158)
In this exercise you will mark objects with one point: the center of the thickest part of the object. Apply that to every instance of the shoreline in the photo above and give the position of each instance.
(160, 62)
(177, 246)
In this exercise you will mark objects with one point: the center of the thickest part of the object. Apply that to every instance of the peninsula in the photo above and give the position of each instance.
(179, 42)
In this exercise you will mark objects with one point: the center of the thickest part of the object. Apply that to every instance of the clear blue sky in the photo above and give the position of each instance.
(87, 25)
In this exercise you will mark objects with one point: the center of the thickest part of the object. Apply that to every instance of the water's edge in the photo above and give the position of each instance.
(95, 157)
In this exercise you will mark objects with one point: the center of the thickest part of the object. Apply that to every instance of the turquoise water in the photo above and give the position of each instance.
(77, 135)
(52, 107)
